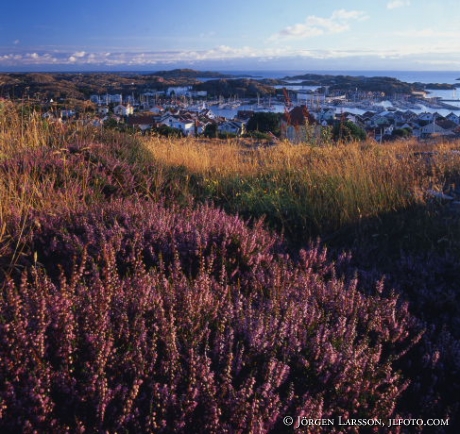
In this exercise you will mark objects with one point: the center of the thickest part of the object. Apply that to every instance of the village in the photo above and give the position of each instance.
(303, 113)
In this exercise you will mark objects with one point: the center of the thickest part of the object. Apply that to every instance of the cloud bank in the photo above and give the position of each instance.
(338, 22)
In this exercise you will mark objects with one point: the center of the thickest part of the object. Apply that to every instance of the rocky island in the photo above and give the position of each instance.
(82, 85)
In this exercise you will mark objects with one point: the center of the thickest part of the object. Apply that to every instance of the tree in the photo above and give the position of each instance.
(347, 131)
(210, 131)
(165, 130)
(402, 132)
(265, 122)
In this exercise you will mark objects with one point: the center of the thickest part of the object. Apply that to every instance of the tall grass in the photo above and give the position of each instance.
(58, 168)
(304, 190)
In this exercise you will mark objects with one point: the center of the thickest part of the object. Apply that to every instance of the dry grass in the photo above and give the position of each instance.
(302, 189)
(306, 190)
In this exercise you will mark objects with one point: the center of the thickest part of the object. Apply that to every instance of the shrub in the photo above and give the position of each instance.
(138, 318)
(347, 131)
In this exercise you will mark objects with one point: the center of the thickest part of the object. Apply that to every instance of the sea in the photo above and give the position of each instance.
(449, 77)
(425, 77)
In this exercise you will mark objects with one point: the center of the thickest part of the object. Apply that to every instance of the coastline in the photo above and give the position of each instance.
(448, 77)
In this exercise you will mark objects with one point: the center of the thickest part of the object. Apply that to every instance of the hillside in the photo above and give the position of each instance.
(81, 86)
(160, 285)
(242, 88)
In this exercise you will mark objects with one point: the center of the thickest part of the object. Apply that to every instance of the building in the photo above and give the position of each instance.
(298, 125)
(144, 123)
(123, 110)
(231, 127)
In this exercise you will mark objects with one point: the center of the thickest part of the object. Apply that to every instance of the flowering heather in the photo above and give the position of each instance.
(140, 318)
(127, 307)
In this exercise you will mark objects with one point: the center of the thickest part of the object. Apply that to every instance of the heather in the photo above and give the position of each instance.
(155, 285)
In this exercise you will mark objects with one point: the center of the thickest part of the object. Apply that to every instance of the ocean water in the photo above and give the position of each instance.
(449, 77)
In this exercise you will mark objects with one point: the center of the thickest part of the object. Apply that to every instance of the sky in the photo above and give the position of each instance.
(234, 35)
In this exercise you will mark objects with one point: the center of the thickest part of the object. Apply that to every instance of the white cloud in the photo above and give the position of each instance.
(76, 56)
(338, 22)
(34, 59)
(394, 4)
(418, 51)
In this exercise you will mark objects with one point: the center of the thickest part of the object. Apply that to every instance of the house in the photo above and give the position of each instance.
(207, 113)
(166, 119)
(400, 119)
(354, 118)
(103, 110)
(67, 114)
(379, 121)
(326, 115)
(231, 127)
(298, 125)
(144, 123)
(428, 117)
(416, 130)
(180, 122)
(406, 126)
(380, 134)
(442, 127)
(200, 127)
(409, 115)
(123, 110)
(453, 117)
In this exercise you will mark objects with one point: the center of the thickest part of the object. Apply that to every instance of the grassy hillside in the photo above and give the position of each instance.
(185, 285)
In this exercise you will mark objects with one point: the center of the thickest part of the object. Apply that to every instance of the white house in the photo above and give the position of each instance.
(121, 110)
(231, 127)
(185, 124)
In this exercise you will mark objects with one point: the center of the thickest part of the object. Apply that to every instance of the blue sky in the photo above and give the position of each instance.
(234, 35)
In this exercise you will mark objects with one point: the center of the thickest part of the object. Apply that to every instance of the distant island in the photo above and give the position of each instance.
(82, 85)
(190, 73)
(347, 83)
